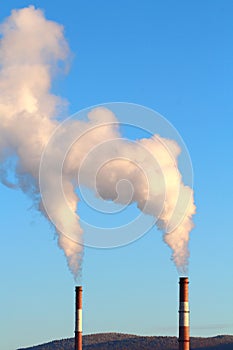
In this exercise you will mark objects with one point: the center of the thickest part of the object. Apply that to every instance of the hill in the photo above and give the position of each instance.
(118, 341)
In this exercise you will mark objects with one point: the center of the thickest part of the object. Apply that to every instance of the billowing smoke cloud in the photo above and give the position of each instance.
(32, 50)
(146, 171)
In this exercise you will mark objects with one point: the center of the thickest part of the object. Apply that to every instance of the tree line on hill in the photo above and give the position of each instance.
(117, 341)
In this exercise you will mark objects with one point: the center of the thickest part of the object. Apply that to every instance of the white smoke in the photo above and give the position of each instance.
(32, 50)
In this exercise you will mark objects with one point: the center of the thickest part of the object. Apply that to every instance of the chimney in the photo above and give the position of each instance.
(78, 318)
(184, 342)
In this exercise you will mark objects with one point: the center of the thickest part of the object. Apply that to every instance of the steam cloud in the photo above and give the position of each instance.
(32, 51)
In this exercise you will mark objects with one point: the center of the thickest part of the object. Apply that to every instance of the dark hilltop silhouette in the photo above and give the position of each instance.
(118, 341)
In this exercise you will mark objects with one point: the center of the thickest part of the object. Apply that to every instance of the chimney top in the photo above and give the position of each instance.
(78, 288)
(184, 280)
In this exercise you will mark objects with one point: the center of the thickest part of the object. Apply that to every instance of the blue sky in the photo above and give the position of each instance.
(173, 57)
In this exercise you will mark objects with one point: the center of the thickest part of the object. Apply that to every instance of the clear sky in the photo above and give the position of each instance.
(175, 57)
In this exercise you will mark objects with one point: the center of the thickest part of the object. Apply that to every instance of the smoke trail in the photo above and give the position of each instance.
(32, 50)
(146, 171)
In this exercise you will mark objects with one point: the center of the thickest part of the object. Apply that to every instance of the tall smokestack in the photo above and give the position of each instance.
(78, 318)
(184, 341)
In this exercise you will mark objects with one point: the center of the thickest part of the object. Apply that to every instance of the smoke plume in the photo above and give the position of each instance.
(32, 51)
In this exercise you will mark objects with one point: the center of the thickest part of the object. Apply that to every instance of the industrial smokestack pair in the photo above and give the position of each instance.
(184, 341)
